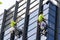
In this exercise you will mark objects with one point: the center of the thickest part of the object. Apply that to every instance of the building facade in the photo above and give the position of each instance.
(50, 12)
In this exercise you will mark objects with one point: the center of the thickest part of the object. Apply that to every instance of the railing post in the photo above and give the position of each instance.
(25, 29)
(14, 18)
(38, 35)
(3, 25)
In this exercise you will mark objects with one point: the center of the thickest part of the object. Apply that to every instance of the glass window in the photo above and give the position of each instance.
(31, 32)
(50, 31)
(32, 37)
(33, 14)
(34, 19)
(52, 6)
(20, 22)
(51, 21)
(53, 13)
(7, 37)
(32, 26)
(51, 25)
(45, 6)
(50, 37)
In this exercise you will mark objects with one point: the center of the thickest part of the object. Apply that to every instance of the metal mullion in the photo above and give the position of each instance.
(3, 25)
(25, 29)
(38, 35)
(14, 18)
(23, 13)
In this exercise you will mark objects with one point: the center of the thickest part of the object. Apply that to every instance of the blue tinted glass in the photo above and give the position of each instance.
(51, 25)
(52, 18)
(31, 32)
(51, 22)
(50, 37)
(45, 11)
(33, 14)
(7, 30)
(21, 22)
(51, 32)
(53, 13)
(6, 37)
(32, 26)
(45, 6)
(52, 6)
(32, 37)
(34, 19)
(20, 27)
